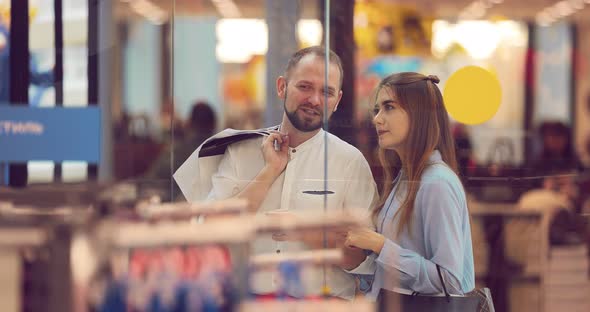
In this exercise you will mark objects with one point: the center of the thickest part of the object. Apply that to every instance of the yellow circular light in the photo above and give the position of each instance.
(472, 95)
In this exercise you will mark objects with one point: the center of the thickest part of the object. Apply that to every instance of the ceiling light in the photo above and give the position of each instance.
(479, 38)
(477, 9)
(149, 11)
(577, 4)
(234, 47)
(560, 10)
(564, 8)
(227, 8)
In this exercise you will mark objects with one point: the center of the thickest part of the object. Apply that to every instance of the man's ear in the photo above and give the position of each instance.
(281, 87)
(338, 103)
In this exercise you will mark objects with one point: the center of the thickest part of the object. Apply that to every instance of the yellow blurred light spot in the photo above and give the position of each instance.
(326, 290)
(472, 95)
(498, 18)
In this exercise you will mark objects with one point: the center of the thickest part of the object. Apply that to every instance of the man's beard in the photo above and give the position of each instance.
(302, 124)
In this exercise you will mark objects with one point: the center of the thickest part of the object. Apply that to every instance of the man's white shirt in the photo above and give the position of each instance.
(299, 188)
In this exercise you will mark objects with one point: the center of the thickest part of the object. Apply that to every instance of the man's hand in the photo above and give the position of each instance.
(276, 161)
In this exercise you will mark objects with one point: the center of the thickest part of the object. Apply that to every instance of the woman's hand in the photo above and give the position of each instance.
(365, 238)
(314, 238)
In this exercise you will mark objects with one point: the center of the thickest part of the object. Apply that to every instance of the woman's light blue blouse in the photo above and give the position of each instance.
(440, 234)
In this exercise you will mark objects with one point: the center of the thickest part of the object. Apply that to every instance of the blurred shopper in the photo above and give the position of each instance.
(422, 223)
(465, 162)
(169, 122)
(556, 190)
(556, 167)
(200, 126)
(285, 169)
(557, 153)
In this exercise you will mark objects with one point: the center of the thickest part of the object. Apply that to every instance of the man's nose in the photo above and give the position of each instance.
(316, 99)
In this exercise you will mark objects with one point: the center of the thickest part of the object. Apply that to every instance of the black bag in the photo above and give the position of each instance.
(476, 301)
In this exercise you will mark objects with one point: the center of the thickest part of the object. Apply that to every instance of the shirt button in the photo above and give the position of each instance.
(293, 151)
(278, 251)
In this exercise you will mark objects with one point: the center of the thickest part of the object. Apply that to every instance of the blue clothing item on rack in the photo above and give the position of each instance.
(41, 79)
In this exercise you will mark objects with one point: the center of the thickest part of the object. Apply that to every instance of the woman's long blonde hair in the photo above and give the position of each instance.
(429, 130)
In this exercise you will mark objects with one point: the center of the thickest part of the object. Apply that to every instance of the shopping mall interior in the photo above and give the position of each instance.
(103, 101)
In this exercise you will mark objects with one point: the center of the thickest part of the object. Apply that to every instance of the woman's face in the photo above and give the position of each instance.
(391, 121)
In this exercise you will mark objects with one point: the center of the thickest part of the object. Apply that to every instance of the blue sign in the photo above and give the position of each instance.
(52, 133)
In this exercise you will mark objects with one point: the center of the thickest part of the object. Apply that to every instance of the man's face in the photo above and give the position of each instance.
(304, 92)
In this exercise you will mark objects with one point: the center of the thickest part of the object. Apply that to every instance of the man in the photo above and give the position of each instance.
(291, 176)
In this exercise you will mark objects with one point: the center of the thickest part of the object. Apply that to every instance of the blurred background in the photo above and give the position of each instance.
(137, 85)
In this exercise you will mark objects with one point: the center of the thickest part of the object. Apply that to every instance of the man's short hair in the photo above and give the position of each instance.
(318, 51)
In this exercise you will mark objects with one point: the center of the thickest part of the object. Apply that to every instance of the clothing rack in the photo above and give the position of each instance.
(189, 210)
(316, 257)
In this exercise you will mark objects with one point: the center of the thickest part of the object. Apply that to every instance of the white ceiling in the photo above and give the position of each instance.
(511, 9)
(248, 8)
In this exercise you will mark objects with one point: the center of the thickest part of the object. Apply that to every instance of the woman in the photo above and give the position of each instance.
(422, 220)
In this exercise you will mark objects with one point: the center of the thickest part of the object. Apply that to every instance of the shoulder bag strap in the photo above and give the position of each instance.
(442, 281)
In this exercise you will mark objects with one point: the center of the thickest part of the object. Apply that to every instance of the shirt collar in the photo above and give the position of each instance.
(316, 139)
(435, 157)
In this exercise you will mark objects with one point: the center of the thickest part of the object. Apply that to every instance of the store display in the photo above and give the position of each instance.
(173, 279)
(161, 257)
